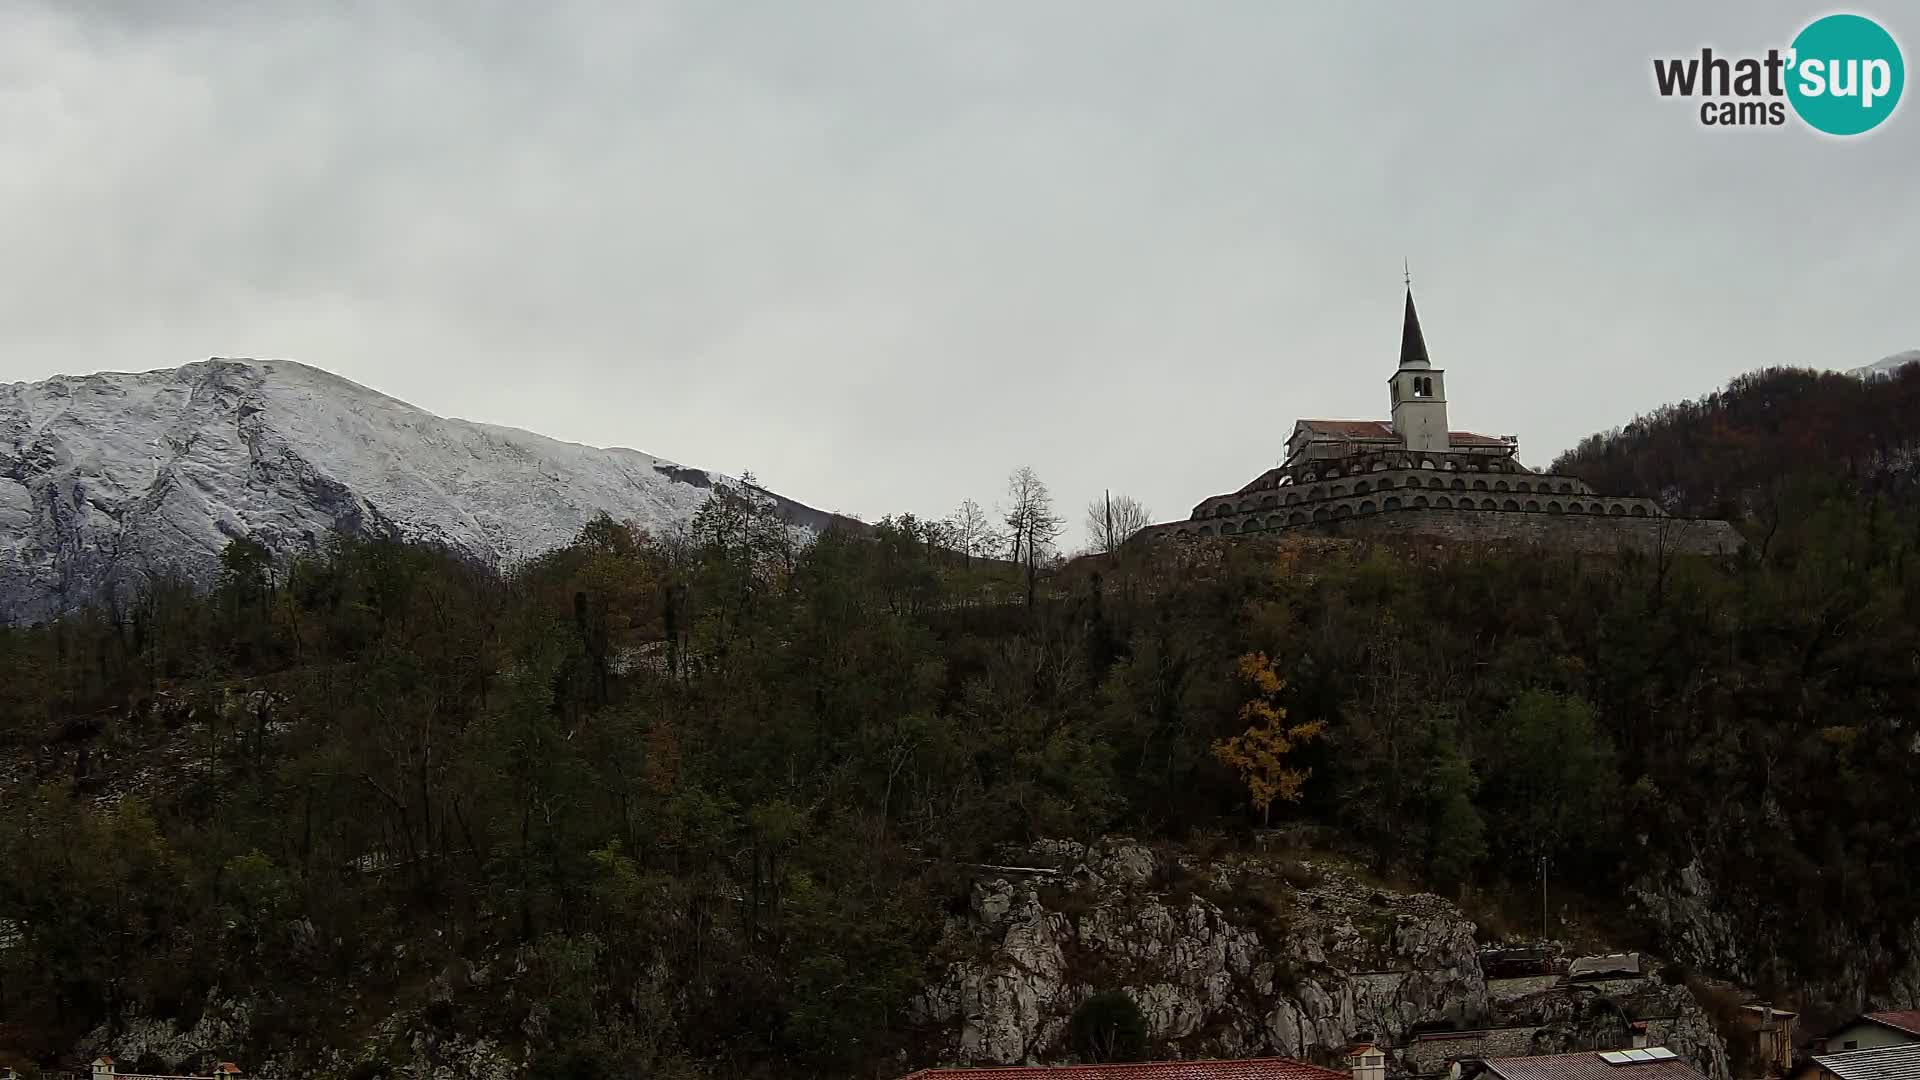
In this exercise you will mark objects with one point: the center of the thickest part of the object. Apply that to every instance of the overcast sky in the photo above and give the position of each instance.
(881, 253)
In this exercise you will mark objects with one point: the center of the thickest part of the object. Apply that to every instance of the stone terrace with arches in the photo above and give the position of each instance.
(1317, 492)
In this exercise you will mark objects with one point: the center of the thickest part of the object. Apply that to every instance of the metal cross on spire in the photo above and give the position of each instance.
(1408, 268)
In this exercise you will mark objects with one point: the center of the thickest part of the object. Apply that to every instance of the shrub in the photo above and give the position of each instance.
(1109, 1027)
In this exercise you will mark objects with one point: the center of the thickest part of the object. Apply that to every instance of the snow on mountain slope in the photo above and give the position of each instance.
(1889, 365)
(106, 479)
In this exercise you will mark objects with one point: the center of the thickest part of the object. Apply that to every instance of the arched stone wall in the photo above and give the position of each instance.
(1247, 512)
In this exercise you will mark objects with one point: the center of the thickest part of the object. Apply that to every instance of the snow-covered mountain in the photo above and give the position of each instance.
(1887, 366)
(106, 479)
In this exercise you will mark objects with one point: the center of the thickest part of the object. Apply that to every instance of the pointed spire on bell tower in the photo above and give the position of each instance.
(1413, 344)
(1419, 389)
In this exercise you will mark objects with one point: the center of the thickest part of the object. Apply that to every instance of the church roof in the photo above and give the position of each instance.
(1413, 344)
(1468, 438)
(1352, 429)
(1381, 429)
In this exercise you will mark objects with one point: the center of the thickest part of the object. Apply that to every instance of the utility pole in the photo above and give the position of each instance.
(1543, 898)
(1107, 540)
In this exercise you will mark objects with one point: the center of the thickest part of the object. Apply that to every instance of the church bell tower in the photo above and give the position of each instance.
(1419, 391)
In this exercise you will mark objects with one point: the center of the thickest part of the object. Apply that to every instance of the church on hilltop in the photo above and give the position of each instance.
(1414, 475)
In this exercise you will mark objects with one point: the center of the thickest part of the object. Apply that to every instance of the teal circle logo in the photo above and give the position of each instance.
(1846, 74)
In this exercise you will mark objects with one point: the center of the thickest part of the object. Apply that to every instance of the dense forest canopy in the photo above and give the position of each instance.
(1730, 453)
(699, 802)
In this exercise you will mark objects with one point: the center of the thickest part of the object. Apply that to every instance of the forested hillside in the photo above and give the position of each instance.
(1732, 453)
(698, 804)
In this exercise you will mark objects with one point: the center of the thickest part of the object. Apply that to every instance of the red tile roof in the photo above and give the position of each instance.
(1381, 429)
(1249, 1069)
(1907, 1020)
(1352, 429)
(1468, 438)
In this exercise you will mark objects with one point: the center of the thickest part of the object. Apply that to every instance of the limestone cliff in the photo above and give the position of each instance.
(1711, 927)
(1250, 955)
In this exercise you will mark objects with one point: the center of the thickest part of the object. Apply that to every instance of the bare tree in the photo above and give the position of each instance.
(1031, 523)
(970, 532)
(1113, 520)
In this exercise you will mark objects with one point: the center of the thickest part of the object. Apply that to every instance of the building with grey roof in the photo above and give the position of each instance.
(1650, 1063)
(1897, 1062)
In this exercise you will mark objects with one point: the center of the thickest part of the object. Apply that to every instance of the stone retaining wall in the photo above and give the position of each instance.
(1591, 533)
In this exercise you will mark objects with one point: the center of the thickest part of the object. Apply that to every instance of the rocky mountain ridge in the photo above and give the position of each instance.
(1888, 365)
(107, 480)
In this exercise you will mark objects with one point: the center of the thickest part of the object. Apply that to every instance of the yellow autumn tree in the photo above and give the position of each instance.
(1259, 754)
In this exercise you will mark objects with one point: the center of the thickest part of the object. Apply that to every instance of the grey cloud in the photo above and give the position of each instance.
(882, 252)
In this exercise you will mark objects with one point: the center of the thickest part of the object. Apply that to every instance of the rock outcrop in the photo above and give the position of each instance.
(402, 1045)
(1713, 929)
(1223, 959)
(1246, 956)
(222, 1025)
